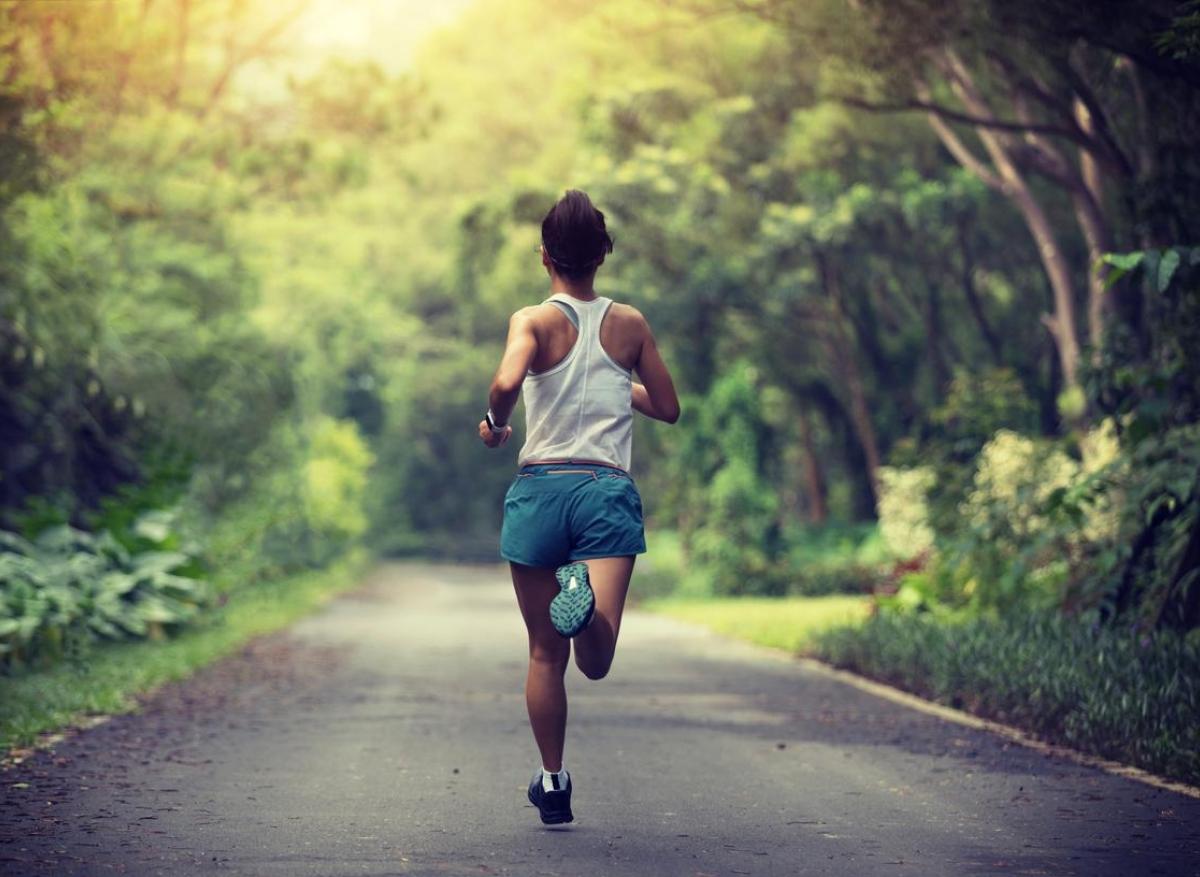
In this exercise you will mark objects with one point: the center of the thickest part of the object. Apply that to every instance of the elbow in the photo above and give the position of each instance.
(505, 386)
(671, 415)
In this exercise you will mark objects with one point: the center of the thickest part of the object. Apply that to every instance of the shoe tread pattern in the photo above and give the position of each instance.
(572, 608)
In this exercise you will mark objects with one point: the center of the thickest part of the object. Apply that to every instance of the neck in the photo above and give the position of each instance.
(581, 289)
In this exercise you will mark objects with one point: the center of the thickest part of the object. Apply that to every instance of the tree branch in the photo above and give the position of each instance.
(959, 150)
(235, 59)
(1112, 154)
(953, 115)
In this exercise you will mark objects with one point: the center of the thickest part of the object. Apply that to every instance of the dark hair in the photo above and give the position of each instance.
(574, 236)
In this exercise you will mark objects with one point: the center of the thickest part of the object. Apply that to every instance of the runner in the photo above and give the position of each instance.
(573, 516)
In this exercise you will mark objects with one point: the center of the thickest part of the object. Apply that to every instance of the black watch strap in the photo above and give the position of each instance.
(491, 421)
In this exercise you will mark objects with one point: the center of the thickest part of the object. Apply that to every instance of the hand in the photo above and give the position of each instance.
(493, 439)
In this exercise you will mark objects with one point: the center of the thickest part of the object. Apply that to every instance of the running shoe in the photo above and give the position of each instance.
(571, 610)
(554, 807)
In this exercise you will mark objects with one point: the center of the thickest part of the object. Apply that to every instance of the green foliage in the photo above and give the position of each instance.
(1150, 387)
(662, 570)
(1152, 383)
(818, 581)
(1006, 552)
(437, 486)
(834, 559)
(1120, 694)
(335, 480)
(135, 512)
(976, 407)
(733, 540)
(733, 535)
(196, 267)
(1146, 501)
(295, 504)
(69, 587)
(813, 562)
(1034, 530)
(903, 510)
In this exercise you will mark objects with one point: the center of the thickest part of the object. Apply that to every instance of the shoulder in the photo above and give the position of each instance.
(525, 317)
(628, 316)
(630, 323)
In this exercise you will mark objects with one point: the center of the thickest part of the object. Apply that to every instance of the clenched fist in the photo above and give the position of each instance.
(493, 439)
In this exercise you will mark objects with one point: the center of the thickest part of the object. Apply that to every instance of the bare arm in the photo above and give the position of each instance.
(506, 385)
(655, 396)
(642, 403)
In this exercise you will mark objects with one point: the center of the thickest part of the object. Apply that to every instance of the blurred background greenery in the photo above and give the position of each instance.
(928, 276)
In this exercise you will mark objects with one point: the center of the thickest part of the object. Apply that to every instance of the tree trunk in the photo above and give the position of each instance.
(1097, 236)
(842, 350)
(932, 314)
(1007, 179)
(972, 295)
(818, 511)
(1062, 322)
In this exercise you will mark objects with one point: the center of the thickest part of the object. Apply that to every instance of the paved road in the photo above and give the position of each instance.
(387, 735)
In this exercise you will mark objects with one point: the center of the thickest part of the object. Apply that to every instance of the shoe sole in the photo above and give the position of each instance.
(572, 608)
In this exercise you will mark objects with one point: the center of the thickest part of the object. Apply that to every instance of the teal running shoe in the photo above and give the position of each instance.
(572, 609)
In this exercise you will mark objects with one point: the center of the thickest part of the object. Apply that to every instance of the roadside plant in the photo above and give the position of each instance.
(67, 588)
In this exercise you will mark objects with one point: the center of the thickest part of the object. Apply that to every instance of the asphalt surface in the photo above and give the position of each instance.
(387, 735)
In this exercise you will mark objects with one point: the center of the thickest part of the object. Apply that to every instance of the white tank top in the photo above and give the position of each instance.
(581, 408)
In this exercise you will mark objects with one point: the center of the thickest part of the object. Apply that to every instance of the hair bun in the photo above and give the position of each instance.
(575, 236)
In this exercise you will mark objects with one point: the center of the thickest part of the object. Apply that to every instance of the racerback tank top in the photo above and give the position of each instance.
(581, 408)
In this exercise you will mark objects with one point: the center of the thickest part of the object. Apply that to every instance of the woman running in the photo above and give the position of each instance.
(573, 516)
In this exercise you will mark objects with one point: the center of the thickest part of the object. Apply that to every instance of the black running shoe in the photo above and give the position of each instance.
(554, 807)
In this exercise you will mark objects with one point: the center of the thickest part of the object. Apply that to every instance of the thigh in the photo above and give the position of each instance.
(536, 587)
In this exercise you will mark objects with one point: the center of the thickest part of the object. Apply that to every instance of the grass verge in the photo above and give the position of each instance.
(108, 678)
(780, 622)
(1104, 691)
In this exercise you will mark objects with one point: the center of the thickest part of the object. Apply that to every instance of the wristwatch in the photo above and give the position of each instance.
(491, 422)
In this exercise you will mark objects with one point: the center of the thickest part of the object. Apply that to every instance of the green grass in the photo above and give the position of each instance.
(780, 622)
(108, 677)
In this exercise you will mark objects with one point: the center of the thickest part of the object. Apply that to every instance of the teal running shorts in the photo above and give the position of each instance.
(557, 513)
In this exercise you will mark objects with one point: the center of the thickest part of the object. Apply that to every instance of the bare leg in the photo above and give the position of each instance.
(545, 693)
(595, 647)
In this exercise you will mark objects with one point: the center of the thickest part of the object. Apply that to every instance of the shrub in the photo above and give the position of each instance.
(733, 542)
(1143, 508)
(733, 535)
(1034, 526)
(335, 481)
(977, 406)
(819, 581)
(904, 511)
(69, 587)
(295, 503)
(1006, 552)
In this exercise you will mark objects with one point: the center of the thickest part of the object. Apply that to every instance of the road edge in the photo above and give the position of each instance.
(350, 571)
(1008, 732)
